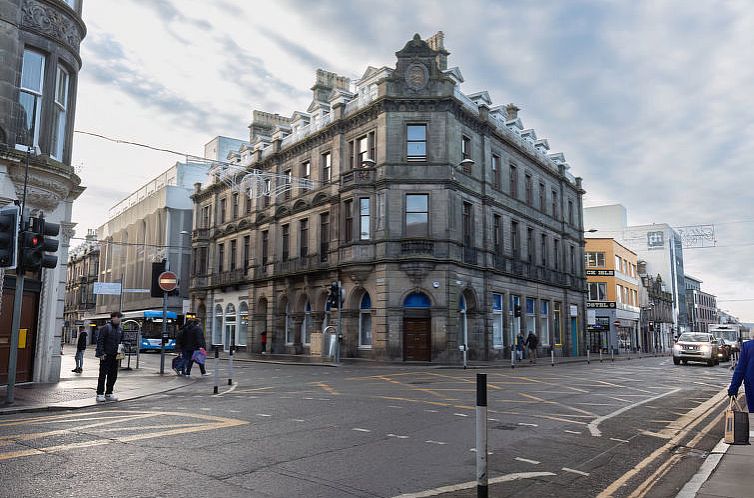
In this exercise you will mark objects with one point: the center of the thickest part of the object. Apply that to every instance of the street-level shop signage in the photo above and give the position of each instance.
(107, 288)
(601, 304)
(600, 273)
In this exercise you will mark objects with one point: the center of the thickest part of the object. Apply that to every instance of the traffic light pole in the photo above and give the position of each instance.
(12, 354)
(164, 331)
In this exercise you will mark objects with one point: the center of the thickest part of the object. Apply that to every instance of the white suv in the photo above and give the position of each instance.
(696, 346)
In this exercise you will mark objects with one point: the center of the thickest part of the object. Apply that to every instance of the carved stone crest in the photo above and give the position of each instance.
(417, 76)
(51, 22)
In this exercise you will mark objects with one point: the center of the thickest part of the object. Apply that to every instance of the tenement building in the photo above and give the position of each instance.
(447, 222)
(39, 66)
(83, 271)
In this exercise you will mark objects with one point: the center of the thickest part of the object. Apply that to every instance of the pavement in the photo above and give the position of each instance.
(727, 472)
(79, 390)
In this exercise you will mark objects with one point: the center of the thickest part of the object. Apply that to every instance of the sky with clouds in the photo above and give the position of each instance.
(650, 101)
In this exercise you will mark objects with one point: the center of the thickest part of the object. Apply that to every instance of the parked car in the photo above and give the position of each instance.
(696, 346)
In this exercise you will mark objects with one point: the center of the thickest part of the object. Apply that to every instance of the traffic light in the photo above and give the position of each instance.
(49, 243)
(9, 221)
(333, 298)
(157, 268)
(32, 250)
(517, 311)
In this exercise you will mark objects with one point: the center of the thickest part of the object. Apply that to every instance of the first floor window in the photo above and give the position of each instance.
(597, 291)
(60, 114)
(364, 232)
(417, 215)
(497, 321)
(544, 322)
(30, 96)
(365, 321)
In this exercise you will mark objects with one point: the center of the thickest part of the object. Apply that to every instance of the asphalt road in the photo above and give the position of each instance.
(640, 426)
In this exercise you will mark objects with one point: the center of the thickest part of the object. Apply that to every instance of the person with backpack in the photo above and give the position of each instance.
(109, 337)
(532, 341)
(193, 340)
(80, 348)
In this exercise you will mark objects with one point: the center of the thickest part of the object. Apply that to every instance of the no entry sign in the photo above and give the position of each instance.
(168, 281)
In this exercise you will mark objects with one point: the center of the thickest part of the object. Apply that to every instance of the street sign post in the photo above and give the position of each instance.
(168, 281)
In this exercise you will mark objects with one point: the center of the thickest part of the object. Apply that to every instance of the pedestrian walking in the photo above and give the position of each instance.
(109, 337)
(263, 337)
(80, 348)
(532, 341)
(193, 340)
(520, 341)
(744, 373)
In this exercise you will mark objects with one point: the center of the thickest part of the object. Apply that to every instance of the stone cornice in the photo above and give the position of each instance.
(50, 182)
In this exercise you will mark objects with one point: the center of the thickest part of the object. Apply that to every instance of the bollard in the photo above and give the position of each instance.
(612, 357)
(217, 369)
(552, 357)
(600, 355)
(587, 357)
(481, 436)
(513, 358)
(230, 366)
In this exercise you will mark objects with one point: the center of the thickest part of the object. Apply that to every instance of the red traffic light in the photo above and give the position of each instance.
(34, 242)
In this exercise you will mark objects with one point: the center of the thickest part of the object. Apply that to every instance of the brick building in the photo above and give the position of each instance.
(445, 219)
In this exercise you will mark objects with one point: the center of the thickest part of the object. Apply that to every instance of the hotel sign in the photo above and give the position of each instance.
(601, 304)
(600, 273)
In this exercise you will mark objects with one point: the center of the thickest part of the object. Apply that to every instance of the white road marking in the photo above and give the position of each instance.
(573, 471)
(308, 397)
(473, 450)
(493, 420)
(394, 406)
(206, 409)
(571, 432)
(298, 420)
(432, 411)
(528, 425)
(594, 424)
(460, 415)
(359, 429)
(655, 434)
(472, 484)
(263, 415)
(619, 440)
(232, 388)
(533, 462)
(397, 436)
(434, 442)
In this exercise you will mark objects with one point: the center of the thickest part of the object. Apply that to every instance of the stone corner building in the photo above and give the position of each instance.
(39, 65)
(446, 221)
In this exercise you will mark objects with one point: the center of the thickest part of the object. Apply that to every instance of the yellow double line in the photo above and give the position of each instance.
(683, 426)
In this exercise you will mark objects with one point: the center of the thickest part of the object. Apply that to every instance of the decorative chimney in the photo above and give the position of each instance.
(437, 42)
(512, 111)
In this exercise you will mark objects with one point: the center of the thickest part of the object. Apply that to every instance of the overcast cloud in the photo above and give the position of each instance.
(649, 101)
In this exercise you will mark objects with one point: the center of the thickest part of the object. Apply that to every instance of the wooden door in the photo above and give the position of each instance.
(25, 355)
(417, 333)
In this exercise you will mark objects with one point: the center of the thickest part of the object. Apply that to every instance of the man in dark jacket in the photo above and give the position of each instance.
(109, 337)
(193, 339)
(532, 342)
(744, 373)
(80, 348)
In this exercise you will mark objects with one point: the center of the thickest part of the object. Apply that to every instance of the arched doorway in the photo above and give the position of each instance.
(417, 328)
